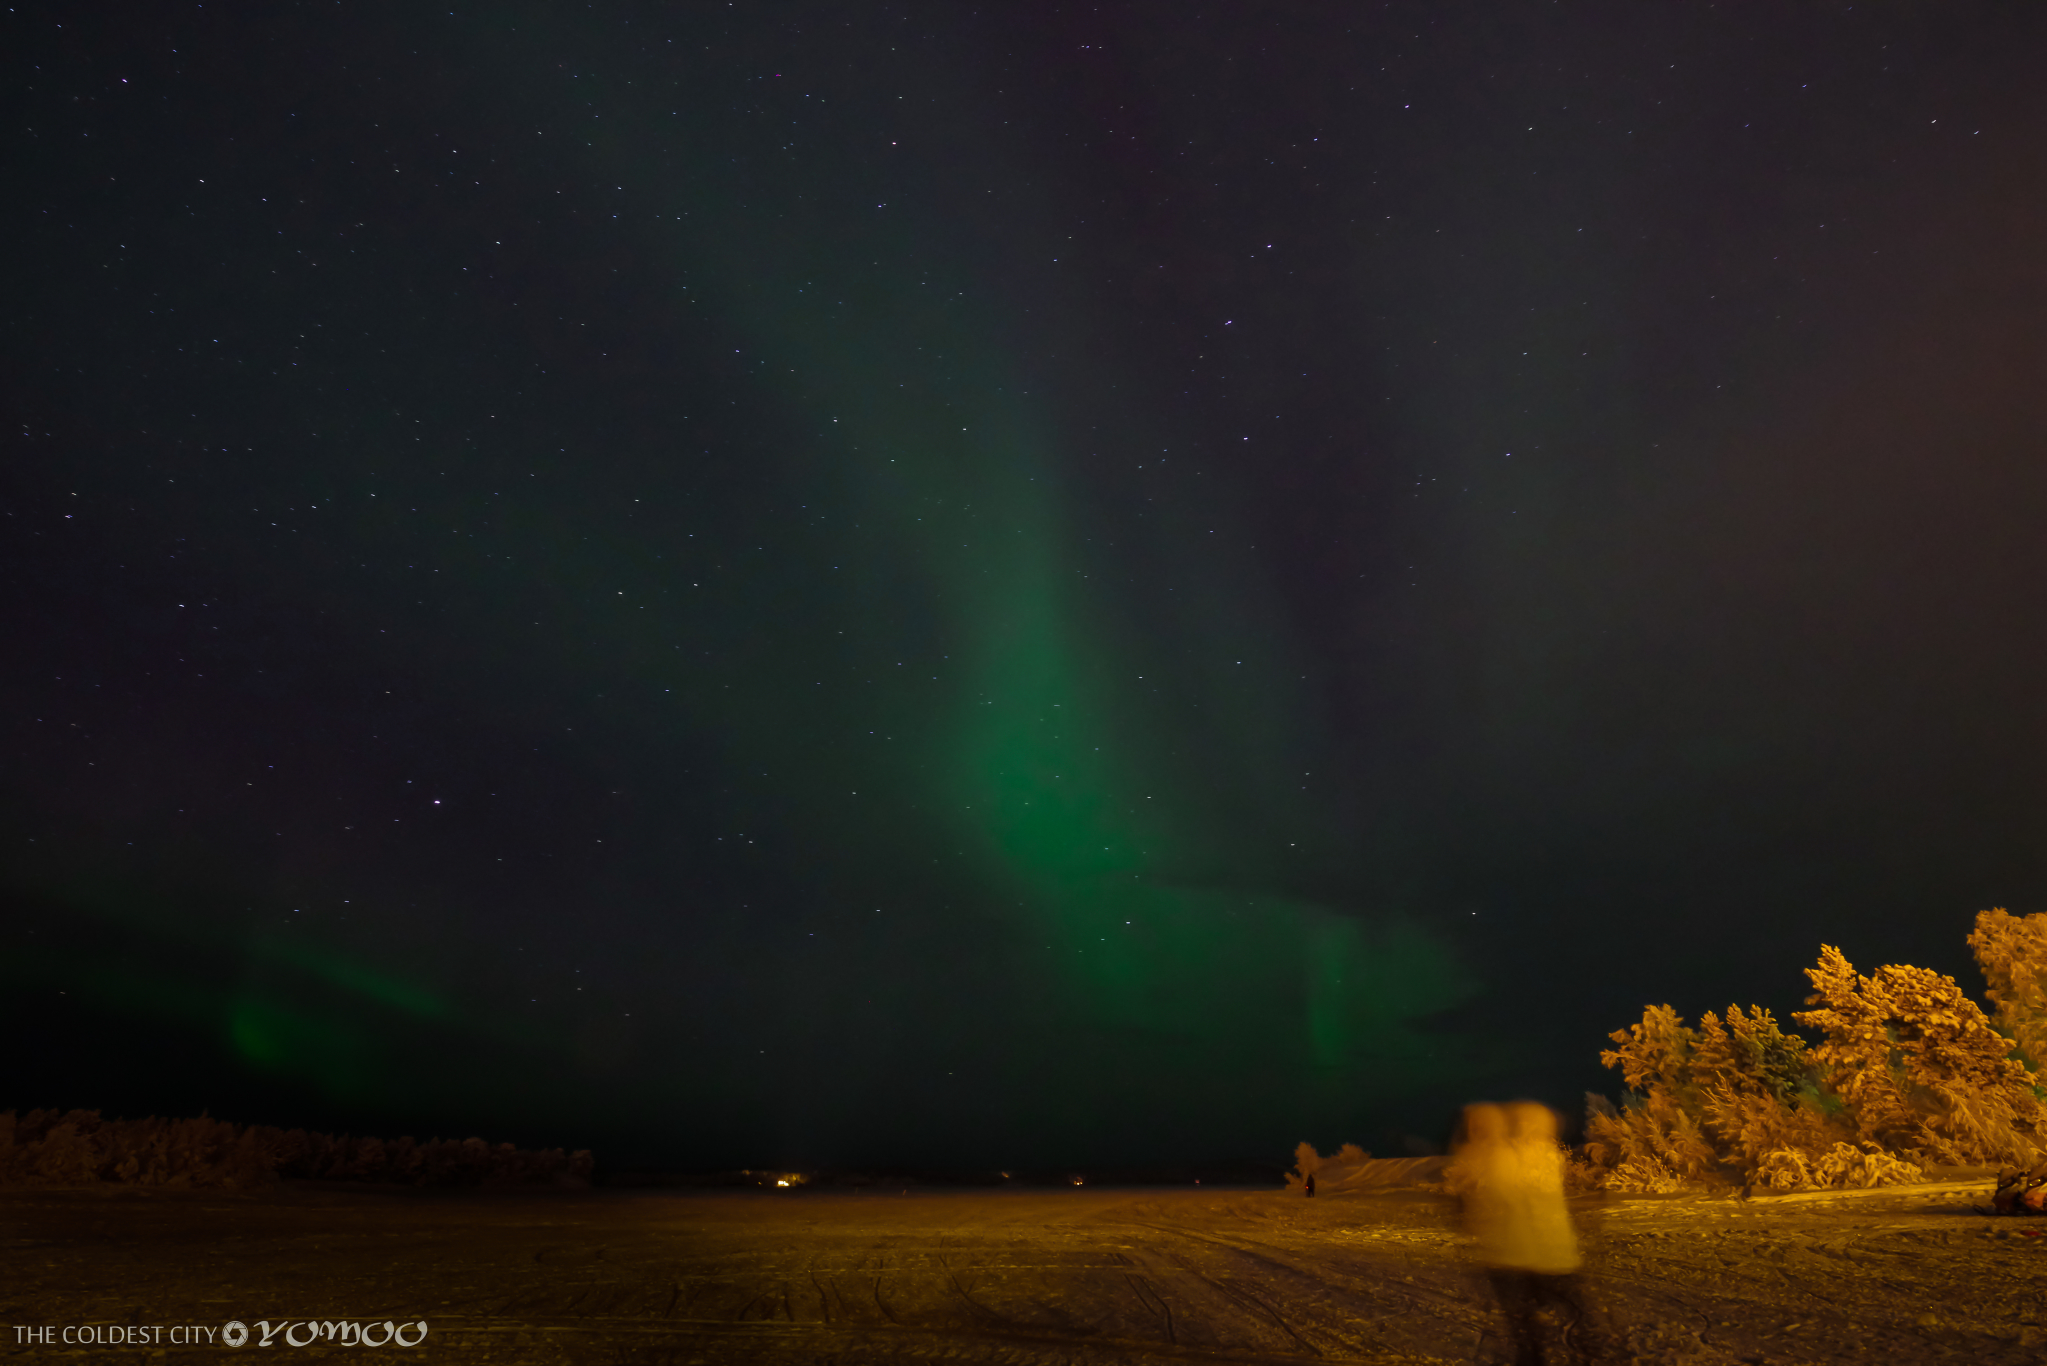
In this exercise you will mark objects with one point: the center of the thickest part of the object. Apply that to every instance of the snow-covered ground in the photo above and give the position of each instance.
(1076, 1275)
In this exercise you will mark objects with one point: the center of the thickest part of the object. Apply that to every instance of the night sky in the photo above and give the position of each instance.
(1005, 584)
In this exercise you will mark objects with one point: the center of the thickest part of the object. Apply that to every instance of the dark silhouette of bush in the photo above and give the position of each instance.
(78, 1148)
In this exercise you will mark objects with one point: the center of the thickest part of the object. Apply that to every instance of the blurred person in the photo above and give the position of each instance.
(1509, 1169)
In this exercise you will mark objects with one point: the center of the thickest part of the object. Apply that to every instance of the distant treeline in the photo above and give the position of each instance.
(1909, 1073)
(78, 1148)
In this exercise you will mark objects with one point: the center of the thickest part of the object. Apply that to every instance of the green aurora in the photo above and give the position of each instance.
(1064, 774)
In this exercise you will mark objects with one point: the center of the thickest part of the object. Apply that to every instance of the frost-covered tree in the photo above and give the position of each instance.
(1910, 1071)
(1760, 1091)
(1655, 1055)
(1656, 1142)
(1736, 1098)
(1918, 1066)
(2012, 952)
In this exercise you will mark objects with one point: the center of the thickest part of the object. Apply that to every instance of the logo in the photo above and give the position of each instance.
(333, 1332)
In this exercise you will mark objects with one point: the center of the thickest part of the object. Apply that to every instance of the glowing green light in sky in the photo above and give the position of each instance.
(1045, 758)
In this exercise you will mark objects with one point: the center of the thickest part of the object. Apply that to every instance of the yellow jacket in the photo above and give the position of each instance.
(1511, 1174)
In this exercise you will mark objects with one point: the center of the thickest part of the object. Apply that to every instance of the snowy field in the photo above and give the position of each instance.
(1074, 1275)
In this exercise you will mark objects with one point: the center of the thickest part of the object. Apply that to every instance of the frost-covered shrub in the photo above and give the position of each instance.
(1843, 1165)
(1653, 1145)
(1307, 1162)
